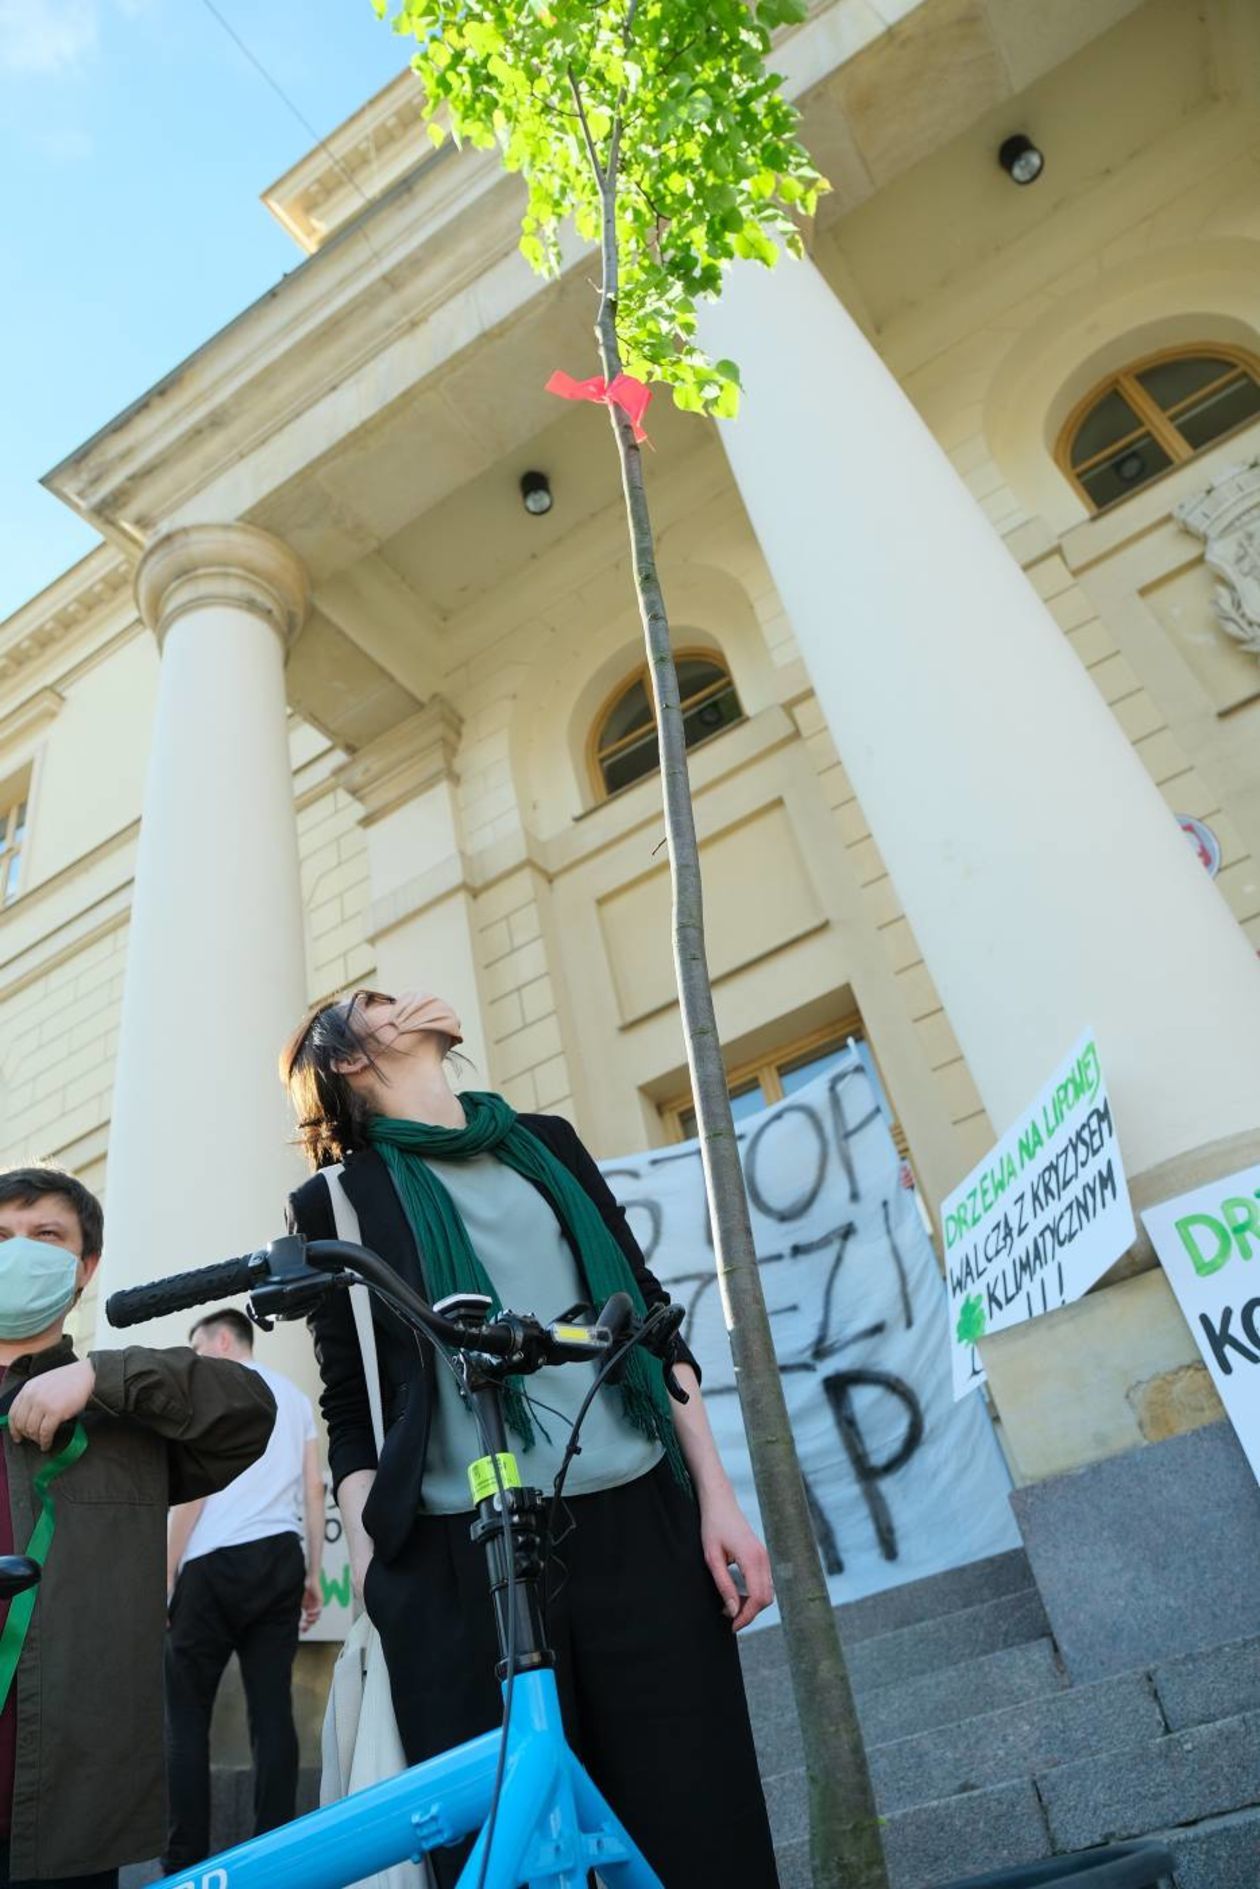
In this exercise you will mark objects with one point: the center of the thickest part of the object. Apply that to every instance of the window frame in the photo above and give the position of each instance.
(769, 1069)
(597, 753)
(1152, 418)
(19, 804)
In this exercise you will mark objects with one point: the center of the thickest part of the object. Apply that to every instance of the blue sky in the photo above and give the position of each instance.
(135, 140)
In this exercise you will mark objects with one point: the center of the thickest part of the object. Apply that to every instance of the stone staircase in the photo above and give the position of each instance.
(983, 1753)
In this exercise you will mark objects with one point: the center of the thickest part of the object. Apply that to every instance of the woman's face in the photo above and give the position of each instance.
(403, 1025)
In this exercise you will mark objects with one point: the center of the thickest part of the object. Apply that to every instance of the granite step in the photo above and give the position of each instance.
(1219, 1853)
(1015, 1742)
(953, 1639)
(1182, 1778)
(936, 1594)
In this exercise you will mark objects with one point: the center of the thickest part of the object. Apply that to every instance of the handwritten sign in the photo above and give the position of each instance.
(1041, 1218)
(1204, 1240)
(902, 1481)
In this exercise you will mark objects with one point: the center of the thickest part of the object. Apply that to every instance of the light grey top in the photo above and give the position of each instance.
(518, 1240)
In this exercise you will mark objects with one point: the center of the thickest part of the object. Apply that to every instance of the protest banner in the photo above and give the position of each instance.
(902, 1481)
(1203, 1241)
(1041, 1218)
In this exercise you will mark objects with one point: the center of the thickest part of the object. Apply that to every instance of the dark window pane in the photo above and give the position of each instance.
(711, 716)
(1111, 420)
(1202, 422)
(633, 710)
(1131, 467)
(1167, 382)
(641, 757)
(695, 674)
(631, 764)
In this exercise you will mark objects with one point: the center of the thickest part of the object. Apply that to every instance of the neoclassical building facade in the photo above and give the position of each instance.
(969, 604)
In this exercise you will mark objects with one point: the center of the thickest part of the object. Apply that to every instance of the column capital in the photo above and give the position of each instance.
(196, 566)
(406, 760)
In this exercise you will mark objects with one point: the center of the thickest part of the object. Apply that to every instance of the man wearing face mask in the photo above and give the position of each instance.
(107, 1443)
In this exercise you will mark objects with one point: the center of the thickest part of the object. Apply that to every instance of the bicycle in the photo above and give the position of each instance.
(538, 1817)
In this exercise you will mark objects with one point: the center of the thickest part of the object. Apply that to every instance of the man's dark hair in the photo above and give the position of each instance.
(226, 1319)
(27, 1185)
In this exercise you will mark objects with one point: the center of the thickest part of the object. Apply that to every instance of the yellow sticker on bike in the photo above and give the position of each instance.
(481, 1477)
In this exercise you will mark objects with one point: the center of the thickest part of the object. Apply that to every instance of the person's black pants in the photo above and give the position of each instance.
(100, 1879)
(647, 1668)
(245, 1600)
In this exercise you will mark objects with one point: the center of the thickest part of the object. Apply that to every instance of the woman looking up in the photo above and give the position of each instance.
(459, 1193)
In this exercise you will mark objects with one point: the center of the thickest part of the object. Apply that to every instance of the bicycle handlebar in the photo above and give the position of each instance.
(182, 1290)
(291, 1274)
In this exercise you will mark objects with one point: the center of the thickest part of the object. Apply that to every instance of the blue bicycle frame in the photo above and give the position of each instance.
(552, 1824)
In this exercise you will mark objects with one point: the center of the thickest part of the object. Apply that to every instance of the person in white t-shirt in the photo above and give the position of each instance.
(240, 1583)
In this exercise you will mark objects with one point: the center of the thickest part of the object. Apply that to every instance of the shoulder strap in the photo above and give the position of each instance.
(348, 1228)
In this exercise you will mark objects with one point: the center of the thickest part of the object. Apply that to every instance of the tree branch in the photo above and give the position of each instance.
(589, 141)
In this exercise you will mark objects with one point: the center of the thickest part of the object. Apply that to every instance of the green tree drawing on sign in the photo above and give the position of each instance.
(654, 129)
(971, 1319)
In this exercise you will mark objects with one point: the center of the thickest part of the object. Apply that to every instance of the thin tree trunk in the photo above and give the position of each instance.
(846, 1851)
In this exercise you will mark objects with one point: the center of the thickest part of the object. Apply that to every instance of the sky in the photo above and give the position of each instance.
(135, 140)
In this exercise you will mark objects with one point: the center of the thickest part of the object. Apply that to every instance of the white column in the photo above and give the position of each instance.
(200, 1154)
(1047, 884)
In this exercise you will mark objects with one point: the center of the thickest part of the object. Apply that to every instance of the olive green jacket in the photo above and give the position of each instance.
(163, 1426)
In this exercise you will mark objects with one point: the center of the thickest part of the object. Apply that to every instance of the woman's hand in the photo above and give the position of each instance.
(728, 1541)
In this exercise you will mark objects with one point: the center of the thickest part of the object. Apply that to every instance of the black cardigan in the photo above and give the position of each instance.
(406, 1367)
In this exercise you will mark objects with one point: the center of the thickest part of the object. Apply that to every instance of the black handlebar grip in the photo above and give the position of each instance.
(182, 1290)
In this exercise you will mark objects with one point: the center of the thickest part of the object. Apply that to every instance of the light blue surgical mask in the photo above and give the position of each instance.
(38, 1283)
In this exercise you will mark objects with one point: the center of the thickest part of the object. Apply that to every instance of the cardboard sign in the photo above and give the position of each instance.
(1204, 1240)
(1041, 1218)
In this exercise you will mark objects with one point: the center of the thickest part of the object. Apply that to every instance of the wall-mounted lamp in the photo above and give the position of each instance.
(536, 493)
(1021, 160)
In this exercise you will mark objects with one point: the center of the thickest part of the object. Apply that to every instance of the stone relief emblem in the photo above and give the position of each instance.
(1227, 517)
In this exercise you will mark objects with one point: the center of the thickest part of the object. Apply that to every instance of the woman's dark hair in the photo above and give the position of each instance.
(331, 1118)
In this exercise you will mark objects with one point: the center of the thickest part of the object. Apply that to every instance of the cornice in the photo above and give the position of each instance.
(198, 566)
(75, 603)
(29, 720)
(398, 765)
(354, 165)
(431, 235)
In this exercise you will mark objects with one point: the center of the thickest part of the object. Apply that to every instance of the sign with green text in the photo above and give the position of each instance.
(1204, 1241)
(1042, 1217)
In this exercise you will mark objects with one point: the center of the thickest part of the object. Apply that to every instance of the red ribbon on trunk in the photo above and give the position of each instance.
(625, 391)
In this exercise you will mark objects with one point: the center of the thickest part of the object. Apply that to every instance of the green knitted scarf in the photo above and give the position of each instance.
(451, 1265)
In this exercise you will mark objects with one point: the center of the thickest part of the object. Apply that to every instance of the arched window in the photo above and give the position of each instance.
(624, 742)
(1155, 414)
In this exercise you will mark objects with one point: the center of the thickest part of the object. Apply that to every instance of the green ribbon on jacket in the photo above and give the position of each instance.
(22, 1606)
(451, 1265)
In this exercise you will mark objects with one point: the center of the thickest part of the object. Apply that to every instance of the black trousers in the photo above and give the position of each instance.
(647, 1669)
(245, 1600)
(100, 1879)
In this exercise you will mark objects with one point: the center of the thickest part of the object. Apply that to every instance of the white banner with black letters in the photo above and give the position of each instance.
(903, 1481)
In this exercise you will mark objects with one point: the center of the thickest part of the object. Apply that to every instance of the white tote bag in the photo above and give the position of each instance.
(360, 1743)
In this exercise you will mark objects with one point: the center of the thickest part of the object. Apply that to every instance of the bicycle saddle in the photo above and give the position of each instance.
(17, 1573)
